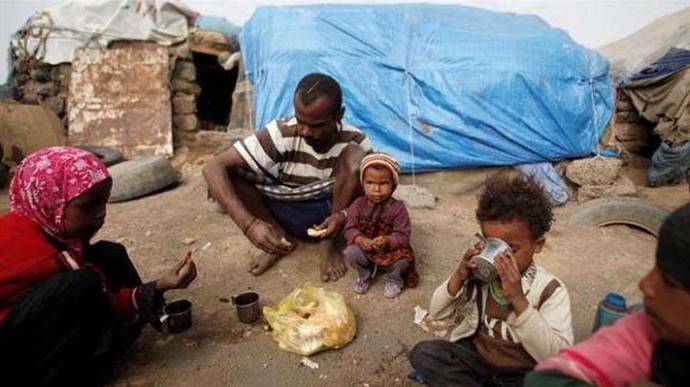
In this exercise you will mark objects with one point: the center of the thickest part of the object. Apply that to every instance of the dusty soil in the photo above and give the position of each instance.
(219, 350)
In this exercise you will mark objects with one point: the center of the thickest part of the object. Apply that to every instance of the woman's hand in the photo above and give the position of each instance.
(179, 277)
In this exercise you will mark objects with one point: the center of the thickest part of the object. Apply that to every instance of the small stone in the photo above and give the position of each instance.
(594, 170)
(183, 86)
(47, 88)
(624, 105)
(627, 116)
(621, 187)
(631, 131)
(40, 74)
(61, 73)
(185, 70)
(184, 103)
(188, 240)
(186, 122)
(56, 104)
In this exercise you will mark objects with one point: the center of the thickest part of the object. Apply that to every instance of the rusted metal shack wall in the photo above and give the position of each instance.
(120, 98)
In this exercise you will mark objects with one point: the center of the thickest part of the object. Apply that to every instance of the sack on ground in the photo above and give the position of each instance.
(310, 320)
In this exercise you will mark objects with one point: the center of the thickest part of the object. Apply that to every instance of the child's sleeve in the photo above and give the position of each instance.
(400, 236)
(443, 303)
(351, 226)
(545, 331)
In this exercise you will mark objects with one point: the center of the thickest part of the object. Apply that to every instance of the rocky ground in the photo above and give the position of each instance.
(219, 350)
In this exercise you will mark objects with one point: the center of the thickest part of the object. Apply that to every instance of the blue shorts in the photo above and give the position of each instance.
(297, 216)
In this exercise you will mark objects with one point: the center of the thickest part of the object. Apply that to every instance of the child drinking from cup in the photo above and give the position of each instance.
(500, 328)
(378, 230)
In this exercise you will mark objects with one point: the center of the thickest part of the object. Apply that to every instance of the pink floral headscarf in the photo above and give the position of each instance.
(47, 180)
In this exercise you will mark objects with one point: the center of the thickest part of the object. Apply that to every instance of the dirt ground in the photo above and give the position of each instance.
(219, 350)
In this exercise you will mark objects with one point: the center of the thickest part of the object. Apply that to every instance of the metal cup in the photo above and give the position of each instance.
(177, 316)
(486, 259)
(247, 305)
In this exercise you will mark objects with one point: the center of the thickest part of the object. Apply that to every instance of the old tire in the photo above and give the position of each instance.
(109, 156)
(620, 210)
(141, 176)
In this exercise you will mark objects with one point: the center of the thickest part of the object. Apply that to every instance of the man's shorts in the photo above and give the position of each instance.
(297, 216)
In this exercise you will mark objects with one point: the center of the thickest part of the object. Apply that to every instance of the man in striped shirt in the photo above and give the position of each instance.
(295, 173)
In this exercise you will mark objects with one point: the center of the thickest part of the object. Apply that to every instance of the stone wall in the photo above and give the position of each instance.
(38, 82)
(35, 81)
(627, 131)
(184, 90)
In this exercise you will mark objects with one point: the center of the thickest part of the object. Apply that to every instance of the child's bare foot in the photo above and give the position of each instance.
(261, 261)
(332, 264)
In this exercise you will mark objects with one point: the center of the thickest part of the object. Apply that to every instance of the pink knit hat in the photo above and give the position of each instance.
(380, 159)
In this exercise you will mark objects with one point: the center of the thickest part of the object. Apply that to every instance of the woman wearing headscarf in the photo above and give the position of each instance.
(648, 348)
(68, 307)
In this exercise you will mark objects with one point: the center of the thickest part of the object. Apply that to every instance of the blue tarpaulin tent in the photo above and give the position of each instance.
(437, 86)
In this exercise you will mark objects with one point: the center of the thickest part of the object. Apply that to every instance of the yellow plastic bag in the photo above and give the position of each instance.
(310, 320)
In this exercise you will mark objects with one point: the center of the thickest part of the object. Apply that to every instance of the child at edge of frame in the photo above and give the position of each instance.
(502, 326)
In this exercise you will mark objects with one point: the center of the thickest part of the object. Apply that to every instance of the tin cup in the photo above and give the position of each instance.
(485, 261)
(177, 316)
(247, 305)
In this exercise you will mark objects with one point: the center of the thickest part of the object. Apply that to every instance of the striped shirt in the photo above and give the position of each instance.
(285, 167)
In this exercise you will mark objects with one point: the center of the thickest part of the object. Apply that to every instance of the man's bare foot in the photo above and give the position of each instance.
(332, 264)
(261, 261)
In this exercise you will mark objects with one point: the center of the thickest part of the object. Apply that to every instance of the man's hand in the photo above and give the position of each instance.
(365, 243)
(511, 282)
(264, 236)
(465, 267)
(333, 224)
(180, 276)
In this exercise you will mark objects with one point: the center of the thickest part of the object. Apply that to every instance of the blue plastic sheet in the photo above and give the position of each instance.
(552, 183)
(217, 23)
(437, 86)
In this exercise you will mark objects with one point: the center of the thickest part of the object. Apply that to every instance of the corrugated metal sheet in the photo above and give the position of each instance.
(120, 98)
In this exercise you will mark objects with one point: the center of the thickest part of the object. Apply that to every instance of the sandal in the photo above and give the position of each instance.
(391, 289)
(361, 284)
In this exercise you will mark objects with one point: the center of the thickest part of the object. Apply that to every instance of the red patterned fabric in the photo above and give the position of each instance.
(32, 247)
(47, 180)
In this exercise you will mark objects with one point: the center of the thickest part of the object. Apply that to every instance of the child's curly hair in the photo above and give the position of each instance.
(506, 198)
